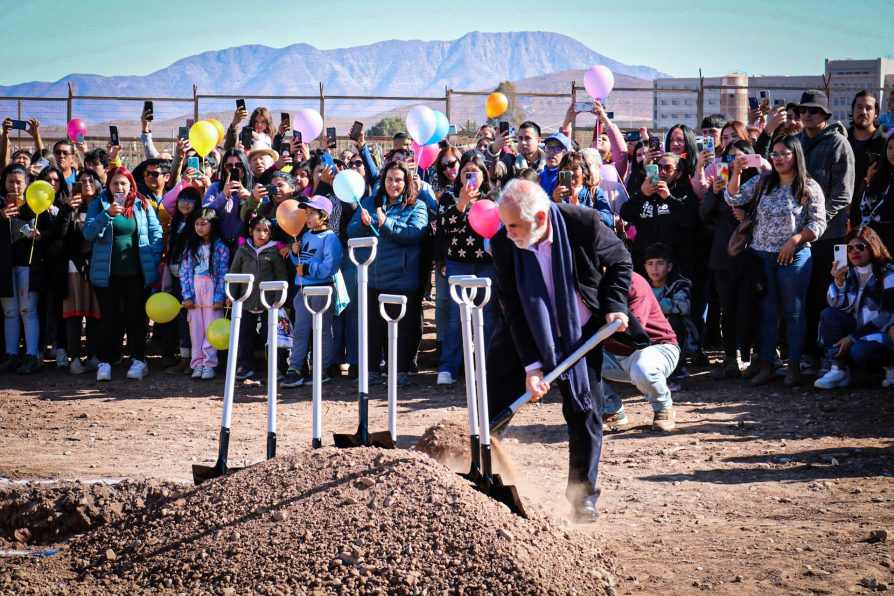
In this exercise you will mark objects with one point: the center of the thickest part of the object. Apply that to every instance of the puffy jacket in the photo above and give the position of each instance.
(220, 266)
(98, 229)
(830, 161)
(396, 266)
(265, 264)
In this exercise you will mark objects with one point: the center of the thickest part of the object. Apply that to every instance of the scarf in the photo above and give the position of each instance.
(541, 316)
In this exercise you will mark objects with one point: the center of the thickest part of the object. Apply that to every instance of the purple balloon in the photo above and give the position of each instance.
(599, 82)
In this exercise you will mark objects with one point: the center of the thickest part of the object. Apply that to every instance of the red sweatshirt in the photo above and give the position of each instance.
(642, 304)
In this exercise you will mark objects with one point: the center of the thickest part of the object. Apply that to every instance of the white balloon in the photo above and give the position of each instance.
(421, 123)
(349, 186)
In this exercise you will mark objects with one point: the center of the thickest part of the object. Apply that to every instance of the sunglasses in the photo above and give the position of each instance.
(449, 165)
(357, 163)
(554, 148)
(151, 174)
(856, 246)
(186, 200)
(810, 110)
(667, 167)
(62, 153)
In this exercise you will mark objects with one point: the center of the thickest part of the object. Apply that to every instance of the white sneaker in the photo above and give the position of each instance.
(889, 377)
(445, 378)
(61, 358)
(104, 372)
(208, 373)
(197, 372)
(92, 363)
(138, 369)
(834, 379)
(77, 367)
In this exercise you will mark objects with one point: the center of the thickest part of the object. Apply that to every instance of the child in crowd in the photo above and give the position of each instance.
(259, 257)
(672, 291)
(205, 263)
(316, 260)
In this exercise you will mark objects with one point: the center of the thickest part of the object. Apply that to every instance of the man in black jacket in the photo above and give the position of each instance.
(560, 274)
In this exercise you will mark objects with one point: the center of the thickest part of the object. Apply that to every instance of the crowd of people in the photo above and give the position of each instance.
(766, 239)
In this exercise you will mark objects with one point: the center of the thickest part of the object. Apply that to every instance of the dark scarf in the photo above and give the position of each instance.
(539, 313)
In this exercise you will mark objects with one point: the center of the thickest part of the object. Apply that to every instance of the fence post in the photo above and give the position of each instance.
(69, 102)
(700, 109)
(447, 102)
(195, 102)
(322, 105)
(573, 100)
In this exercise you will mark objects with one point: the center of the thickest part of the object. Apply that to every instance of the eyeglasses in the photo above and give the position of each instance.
(856, 246)
(181, 200)
(554, 148)
(667, 167)
(357, 163)
(780, 154)
(61, 153)
(728, 138)
(810, 110)
(449, 165)
(151, 174)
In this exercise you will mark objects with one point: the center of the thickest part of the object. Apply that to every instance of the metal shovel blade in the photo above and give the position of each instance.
(202, 473)
(381, 439)
(507, 495)
(347, 441)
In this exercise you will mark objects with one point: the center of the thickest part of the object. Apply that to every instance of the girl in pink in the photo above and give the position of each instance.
(205, 263)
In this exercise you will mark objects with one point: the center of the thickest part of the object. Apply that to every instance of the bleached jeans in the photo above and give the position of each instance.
(647, 369)
(22, 304)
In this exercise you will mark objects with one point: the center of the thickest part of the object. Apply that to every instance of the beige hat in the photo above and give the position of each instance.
(262, 148)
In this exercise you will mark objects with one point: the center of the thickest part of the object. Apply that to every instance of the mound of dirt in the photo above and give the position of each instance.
(45, 513)
(334, 521)
(448, 443)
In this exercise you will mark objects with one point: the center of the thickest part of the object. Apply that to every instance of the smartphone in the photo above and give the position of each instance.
(723, 171)
(147, 107)
(840, 253)
(113, 136)
(753, 103)
(119, 198)
(778, 103)
(709, 144)
(471, 178)
(192, 162)
(77, 187)
(451, 130)
(326, 160)
(245, 137)
(272, 191)
(652, 172)
(240, 104)
(331, 136)
(183, 133)
(765, 98)
(285, 148)
(285, 119)
(19, 125)
(699, 144)
(632, 136)
(504, 127)
(610, 115)
(654, 144)
(296, 134)
(79, 138)
(583, 106)
(872, 157)
(565, 178)
(752, 160)
(42, 163)
(356, 129)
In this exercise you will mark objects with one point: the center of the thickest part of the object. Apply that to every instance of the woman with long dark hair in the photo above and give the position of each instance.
(233, 187)
(127, 247)
(789, 214)
(399, 220)
(876, 206)
(680, 140)
(854, 327)
(55, 267)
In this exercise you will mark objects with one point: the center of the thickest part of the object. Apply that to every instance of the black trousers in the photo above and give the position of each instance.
(737, 311)
(123, 307)
(506, 383)
(407, 329)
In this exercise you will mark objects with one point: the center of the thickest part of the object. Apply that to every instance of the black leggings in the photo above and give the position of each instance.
(738, 312)
(73, 326)
(124, 298)
(407, 329)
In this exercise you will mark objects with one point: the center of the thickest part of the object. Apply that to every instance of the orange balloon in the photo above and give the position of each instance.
(495, 105)
(221, 131)
(290, 218)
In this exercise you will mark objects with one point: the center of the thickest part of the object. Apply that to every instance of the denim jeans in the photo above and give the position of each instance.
(452, 346)
(786, 294)
(347, 338)
(303, 332)
(836, 324)
(21, 305)
(442, 307)
(647, 369)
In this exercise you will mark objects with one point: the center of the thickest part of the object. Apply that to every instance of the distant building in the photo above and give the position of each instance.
(874, 75)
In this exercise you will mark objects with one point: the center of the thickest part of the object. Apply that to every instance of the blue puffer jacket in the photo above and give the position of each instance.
(98, 229)
(397, 254)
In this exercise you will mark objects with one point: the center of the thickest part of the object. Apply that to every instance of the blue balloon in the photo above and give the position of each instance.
(441, 129)
(349, 186)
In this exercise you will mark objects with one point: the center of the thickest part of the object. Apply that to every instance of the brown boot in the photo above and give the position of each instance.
(181, 367)
(664, 420)
(793, 374)
(764, 375)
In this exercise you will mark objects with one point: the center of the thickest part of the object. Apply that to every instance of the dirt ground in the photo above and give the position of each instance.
(757, 491)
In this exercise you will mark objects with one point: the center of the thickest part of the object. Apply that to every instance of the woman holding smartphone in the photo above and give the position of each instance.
(854, 327)
(789, 213)
(876, 209)
(127, 247)
(227, 195)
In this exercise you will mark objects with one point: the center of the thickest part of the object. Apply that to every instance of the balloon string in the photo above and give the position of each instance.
(33, 240)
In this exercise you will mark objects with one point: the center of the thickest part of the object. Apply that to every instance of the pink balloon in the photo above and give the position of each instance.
(599, 82)
(76, 127)
(484, 217)
(425, 154)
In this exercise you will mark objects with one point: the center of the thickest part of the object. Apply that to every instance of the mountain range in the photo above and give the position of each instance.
(475, 61)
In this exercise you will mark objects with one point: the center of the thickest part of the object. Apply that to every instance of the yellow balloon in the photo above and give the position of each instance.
(495, 105)
(162, 307)
(39, 196)
(203, 137)
(221, 131)
(218, 334)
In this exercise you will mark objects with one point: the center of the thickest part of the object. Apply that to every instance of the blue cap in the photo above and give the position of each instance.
(560, 138)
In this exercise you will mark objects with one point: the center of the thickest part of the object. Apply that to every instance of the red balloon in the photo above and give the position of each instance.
(484, 217)
(425, 154)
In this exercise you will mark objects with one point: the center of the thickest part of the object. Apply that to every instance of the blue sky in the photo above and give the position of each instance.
(47, 39)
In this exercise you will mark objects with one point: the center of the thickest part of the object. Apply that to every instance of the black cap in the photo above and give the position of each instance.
(814, 98)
